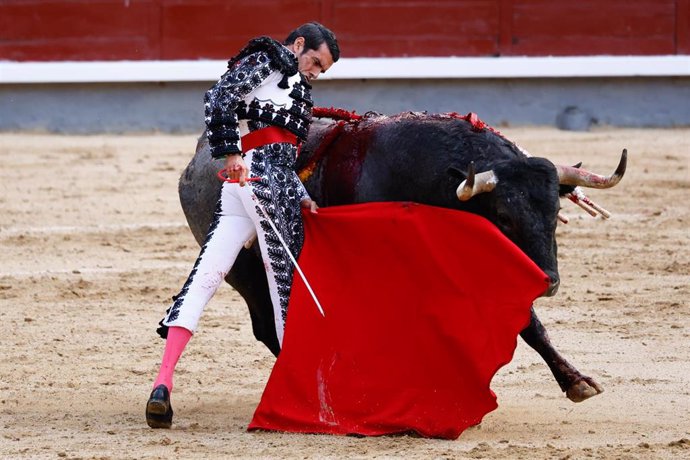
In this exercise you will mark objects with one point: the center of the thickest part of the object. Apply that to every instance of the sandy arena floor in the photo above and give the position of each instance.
(94, 243)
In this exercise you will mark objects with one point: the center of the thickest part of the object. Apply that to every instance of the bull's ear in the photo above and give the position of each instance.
(456, 173)
(565, 189)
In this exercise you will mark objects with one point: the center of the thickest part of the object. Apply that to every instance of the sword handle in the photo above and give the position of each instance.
(225, 178)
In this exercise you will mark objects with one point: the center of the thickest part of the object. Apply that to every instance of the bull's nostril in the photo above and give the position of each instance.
(553, 288)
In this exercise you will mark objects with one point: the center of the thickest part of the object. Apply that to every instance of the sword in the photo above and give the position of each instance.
(225, 178)
(289, 253)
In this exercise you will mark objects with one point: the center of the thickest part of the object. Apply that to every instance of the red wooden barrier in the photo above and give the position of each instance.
(186, 29)
(79, 30)
(218, 29)
(621, 27)
(417, 28)
(683, 27)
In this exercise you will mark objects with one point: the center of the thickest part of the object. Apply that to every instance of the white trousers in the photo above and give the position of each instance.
(236, 220)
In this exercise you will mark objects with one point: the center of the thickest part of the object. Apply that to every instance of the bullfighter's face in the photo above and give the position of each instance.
(312, 63)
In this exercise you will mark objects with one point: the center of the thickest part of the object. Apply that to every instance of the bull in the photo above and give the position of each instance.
(440, 160)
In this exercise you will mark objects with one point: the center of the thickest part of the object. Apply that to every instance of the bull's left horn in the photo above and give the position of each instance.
(476, 183)
(569, 175)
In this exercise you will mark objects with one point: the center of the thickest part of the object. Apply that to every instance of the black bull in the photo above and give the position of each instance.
(420, 158)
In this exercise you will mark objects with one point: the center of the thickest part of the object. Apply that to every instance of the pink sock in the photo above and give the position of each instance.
(174, 345)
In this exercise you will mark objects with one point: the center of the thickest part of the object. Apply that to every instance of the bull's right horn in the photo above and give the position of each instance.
(569, 175)
(476, 183)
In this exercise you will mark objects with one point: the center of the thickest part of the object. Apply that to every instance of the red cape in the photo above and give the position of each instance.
(423, 305)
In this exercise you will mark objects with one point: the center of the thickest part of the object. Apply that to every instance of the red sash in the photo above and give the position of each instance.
(264, 136)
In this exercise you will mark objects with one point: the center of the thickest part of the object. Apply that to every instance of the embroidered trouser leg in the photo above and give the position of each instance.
(236, 219)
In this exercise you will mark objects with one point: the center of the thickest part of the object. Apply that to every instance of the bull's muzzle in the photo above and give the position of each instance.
(553, 288)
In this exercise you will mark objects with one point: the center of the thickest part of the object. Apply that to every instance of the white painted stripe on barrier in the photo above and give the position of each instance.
(355, 68)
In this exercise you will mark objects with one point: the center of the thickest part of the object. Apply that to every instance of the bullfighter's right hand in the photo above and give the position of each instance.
(236, 169)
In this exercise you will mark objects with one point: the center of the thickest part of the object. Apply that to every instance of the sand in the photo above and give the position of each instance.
(94, 243)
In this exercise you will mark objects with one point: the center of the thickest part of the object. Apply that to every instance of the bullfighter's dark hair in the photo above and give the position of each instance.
(314, 35)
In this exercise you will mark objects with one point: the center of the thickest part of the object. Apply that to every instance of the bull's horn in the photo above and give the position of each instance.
(569, 175)
(476, 183)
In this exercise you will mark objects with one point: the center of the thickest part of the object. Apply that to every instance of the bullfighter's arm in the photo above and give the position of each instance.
(222, 100)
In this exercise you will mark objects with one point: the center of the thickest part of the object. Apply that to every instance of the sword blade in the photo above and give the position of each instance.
(289, 253)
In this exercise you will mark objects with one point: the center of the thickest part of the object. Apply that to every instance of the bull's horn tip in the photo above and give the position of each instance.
(623, 163)
(470, 174)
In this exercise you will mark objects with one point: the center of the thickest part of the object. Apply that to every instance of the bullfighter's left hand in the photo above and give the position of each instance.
(310, 204)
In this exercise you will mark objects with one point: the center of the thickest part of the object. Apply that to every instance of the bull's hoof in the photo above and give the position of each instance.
(583, 389)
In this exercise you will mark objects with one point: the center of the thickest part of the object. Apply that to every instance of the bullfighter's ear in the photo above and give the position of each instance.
(457, 173)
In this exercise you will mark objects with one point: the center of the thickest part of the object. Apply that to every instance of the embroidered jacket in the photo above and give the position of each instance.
(262, 87)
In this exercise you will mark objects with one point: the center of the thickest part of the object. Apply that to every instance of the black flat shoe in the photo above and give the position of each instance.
(159, 412)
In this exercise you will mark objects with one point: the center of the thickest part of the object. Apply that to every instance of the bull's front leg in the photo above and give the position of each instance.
(576, 386)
